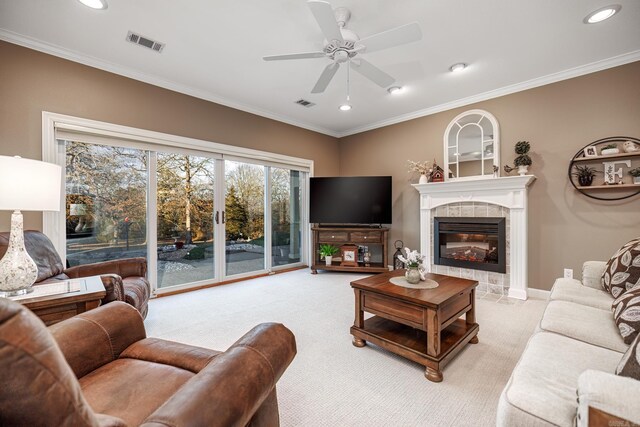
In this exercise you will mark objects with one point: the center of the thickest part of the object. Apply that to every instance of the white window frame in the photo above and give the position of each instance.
(54, 223)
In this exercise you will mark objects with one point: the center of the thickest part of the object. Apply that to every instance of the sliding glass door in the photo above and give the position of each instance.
(106, 203)
(286, 219)
(243, 219)
(185, 219)
(197, 217)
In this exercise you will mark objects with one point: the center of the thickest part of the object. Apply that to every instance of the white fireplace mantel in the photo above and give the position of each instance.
(510, 192)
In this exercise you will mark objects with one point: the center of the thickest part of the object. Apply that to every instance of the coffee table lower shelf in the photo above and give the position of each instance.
(411, 343)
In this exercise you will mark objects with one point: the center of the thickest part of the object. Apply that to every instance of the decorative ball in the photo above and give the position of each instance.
(522, 147)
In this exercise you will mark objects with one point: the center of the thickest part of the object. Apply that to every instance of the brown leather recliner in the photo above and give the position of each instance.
(123, 279)
(99, 369)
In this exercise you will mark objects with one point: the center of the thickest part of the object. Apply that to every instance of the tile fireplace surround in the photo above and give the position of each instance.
(486, 197)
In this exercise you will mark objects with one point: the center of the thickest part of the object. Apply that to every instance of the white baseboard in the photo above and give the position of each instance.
(517, 294)
(539, 294)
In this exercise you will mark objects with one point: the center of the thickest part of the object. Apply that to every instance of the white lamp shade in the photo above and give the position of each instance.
(29, 185)
(77, 209)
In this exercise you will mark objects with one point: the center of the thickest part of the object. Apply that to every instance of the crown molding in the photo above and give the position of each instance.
(506, 90)
(51, 49)
(70, 55)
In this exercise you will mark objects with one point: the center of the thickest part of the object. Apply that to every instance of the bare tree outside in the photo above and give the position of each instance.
(106, 209)
(106, 202)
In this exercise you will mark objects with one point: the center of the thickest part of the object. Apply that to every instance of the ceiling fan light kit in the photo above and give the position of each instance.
(602, 14)
(95, 4)
(343, 45)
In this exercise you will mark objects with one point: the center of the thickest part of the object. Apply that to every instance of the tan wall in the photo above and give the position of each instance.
(32, 82)
(566, 228)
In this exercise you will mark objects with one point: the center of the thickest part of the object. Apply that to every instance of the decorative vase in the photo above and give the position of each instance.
(328, 259)
(18, 271)
(423, 179)
(523, 169)
(412, 275)
(585, 180)
(636, 179)
(608, 151)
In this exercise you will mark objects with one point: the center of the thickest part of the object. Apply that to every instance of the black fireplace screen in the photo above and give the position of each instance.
(476, 243)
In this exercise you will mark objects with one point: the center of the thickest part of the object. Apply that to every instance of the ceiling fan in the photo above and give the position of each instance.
(343, 45)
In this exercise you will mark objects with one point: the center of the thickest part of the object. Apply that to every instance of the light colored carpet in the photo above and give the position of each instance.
(333, 383)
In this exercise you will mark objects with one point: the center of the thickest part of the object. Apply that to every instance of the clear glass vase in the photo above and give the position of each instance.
(412, 275)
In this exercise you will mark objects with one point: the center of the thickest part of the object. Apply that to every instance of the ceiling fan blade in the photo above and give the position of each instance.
(372, 72)
(323, 12)
(396, 36)
(295, 56)
(325, 78)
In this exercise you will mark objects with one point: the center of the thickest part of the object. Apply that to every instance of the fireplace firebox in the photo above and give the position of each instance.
(476, 243)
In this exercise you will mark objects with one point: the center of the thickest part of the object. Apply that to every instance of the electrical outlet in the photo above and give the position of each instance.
(568, 273)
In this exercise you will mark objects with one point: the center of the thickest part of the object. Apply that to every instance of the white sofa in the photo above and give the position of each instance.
(570, 361)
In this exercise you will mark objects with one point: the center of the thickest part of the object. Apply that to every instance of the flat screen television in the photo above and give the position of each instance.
(350, 200)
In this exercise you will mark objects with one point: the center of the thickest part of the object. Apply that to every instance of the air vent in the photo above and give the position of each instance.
(305, 103)
(144, 41)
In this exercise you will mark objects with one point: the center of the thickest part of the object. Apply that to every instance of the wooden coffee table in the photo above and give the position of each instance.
(422, 325)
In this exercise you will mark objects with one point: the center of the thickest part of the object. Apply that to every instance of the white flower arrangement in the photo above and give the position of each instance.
(423, 168)
(413, 259)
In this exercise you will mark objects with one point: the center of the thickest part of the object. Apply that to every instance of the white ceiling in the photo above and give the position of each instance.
(214, 50)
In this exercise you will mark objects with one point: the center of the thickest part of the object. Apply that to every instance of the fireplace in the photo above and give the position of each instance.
(476, 243)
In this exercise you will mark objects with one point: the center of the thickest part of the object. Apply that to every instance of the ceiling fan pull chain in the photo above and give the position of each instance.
(348, 80)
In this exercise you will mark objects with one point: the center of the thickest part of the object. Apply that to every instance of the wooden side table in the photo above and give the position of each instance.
(57, 301)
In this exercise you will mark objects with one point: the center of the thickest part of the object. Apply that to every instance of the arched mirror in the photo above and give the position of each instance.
(472, 146)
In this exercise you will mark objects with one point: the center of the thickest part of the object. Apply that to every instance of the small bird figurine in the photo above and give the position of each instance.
(630, 147)
(508, 169)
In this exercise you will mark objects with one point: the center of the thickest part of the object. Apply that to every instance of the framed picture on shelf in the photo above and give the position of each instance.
(349, 255)
(590, 152)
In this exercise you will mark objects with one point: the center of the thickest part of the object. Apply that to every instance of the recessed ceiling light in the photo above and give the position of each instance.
(345, 107)
(602, 14)
(395, 90)
(94, 4)
(456, 68)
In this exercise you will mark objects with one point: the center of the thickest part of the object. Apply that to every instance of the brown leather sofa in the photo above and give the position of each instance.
(99, 369)
(123, 279)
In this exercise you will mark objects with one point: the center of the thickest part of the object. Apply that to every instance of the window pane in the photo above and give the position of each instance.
(244, 217)
(285, 216)
(185, 219)
(106, 203)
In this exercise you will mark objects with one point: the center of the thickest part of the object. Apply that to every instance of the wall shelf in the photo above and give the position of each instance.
(627, 190)
(609, 187)
(610, 156)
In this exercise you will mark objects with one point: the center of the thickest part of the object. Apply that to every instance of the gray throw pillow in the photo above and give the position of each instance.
(626, 313)
(629, 366)
(623, 269)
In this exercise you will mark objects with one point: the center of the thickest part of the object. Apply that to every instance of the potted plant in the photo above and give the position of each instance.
(635, 173)
(609, 149)
(523, 161)
(585, 175)
(327, 252)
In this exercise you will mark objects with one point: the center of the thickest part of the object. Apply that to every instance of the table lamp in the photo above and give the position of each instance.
(28, 185)
(79, 210)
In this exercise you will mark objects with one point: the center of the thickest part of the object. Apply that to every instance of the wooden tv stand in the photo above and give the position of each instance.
(359, 236)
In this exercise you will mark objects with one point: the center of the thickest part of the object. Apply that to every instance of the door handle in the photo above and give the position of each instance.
(217, 217)
(223, 212)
